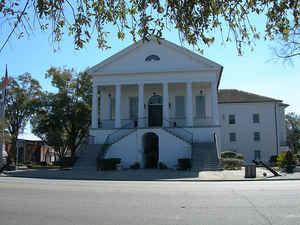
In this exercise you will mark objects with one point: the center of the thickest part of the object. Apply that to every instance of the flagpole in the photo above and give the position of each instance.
(3, 117)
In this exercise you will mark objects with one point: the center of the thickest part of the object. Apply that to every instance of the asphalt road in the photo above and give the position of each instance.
(64, 202)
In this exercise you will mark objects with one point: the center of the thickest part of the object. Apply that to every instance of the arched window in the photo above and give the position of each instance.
(155, 100)
(152, 58)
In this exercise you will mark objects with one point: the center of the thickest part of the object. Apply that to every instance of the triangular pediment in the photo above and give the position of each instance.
(153, 56)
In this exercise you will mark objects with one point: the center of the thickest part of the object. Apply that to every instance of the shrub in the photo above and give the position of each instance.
(280, 160)
(228, 154)
(231, 163)
(273, 159)
(286, 160)
(297, 158)
(184, 164)
(65, 162)
(28, 163)
(162, 166)
(135, 166)
(239, 156)
(110, 164)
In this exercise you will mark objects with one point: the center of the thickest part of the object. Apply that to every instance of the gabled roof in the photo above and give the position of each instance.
(28, 137)
(100, 67)
(237, 96)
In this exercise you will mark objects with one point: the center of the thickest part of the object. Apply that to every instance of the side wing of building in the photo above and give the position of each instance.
(255, 128)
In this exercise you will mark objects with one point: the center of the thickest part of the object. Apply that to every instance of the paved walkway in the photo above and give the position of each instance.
(151, 174)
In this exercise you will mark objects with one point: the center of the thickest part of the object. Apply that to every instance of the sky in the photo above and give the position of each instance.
(254, 72)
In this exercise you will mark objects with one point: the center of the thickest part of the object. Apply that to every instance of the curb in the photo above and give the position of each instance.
(145, 180)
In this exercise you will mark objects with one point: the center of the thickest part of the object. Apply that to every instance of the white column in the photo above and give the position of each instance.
(215, 109)
(141, 118)
(189, 105)
(165, 105)
(95, 107)
(117, 107)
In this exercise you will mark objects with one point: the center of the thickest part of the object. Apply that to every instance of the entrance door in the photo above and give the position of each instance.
(150, 143)
(155, 111)
(155, 115)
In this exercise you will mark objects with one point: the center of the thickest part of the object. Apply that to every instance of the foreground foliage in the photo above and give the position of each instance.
(197, 22)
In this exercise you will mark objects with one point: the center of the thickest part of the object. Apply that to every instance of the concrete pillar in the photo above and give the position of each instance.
(118, 107)
(165, 105)
(95, 107)
(215, 108)
(189, 105)
(141, 119)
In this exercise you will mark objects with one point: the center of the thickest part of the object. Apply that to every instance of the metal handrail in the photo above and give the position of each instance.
(126, 126)
(190, 135)
(202, 117)
(216, 141)
(178, 126)
(107, 142)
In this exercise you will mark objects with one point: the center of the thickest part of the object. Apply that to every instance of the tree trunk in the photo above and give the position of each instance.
(12, 151)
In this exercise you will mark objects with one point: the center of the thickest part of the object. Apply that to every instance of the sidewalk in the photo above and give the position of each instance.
(151, 175)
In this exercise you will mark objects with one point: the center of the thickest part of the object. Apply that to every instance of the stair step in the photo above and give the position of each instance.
(204, 156)
(87, 158)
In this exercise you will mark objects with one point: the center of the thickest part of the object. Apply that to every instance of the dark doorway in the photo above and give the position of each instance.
(155, 115)
(155, 111)
(151, 152)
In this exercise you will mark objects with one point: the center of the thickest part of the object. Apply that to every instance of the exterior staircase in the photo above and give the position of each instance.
(204, 156)
(112, 138)
(180, 133)
(86, 158)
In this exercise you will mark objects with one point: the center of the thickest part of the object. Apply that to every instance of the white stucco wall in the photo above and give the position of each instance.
(171, 148)
(130, 148)
(245, 128)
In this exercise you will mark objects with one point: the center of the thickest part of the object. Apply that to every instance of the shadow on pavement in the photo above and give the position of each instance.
(124, 175)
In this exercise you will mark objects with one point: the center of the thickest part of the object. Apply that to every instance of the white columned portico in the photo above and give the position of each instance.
(189, 105)
(118, 107)
(165, 105)
(141, 105)
(95, 107)
(215, 110)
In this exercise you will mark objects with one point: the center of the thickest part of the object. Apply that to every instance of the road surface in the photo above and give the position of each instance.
(25, 201)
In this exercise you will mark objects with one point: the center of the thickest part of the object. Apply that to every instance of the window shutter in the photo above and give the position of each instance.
(200, 106)
(179, 107)
(133, 107)
(112, 108)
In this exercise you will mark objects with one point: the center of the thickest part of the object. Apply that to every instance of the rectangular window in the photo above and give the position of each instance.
(232, 137)
(256, 136)
(200, 106)
(112, 108)
(256, 118)
(133, 107)
(257, 155)
(179, 107)
(231, 119)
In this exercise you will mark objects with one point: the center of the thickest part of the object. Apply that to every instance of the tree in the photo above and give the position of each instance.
(196, 21)
(23, 93)
(293, 131)
(63, 118)
(289, 45)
